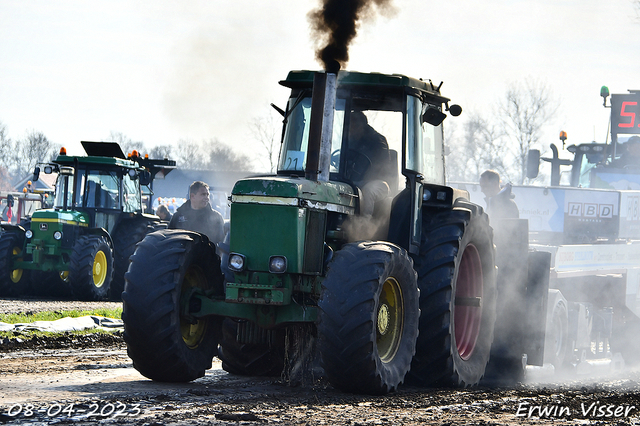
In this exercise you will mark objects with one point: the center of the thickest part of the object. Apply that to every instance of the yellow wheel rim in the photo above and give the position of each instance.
(193, 332)
(99, 269)
(16, 274)
(389, 320)
(64, 276)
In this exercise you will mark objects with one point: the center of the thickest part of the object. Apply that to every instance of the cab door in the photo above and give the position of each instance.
(423, 162)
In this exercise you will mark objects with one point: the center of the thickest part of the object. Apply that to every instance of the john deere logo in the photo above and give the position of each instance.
(44, 226)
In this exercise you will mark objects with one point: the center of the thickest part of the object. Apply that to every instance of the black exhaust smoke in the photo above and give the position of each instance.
(335, 24)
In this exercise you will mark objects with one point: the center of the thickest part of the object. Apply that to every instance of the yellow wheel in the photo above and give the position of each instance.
(193, 330)
(16, 274)
(14, 281)
(90, 268)
(167, 270)
(99, 269)
(368, 317)
(390, 320)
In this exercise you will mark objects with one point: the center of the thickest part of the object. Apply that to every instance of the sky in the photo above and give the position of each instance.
(159, 71)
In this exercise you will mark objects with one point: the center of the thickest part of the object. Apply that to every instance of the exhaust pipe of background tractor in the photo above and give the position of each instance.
(323, 101)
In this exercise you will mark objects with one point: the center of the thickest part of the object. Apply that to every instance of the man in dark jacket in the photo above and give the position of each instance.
(197, 215)
(500, 204)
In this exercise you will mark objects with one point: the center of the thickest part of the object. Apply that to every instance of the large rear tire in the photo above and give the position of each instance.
(91, 268)
(13, 282)
(125, 239)
(457, 281)
(368, 319)
(163, 343)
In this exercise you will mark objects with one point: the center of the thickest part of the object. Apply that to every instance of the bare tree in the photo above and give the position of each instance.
(161, 151)
(223, 158)
(6, 149)
(523, 113)
(35, 147)
(190, 155)
(5, 180)
(125, 142)
(479, 149)
(264, 131)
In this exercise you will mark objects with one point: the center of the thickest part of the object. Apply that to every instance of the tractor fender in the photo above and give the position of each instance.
(12, 228)
(101, 232)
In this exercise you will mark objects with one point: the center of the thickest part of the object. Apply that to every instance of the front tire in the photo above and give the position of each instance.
(457, 281)
(91, 268)
(13, 282)
(163, 343)
(368, 319)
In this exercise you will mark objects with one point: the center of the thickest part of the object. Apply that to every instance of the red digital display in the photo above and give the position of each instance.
(625, 113)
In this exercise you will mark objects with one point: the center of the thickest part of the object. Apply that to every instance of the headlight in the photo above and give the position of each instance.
(57, 235)
(29, 233)
(277, 264)
(236, 262)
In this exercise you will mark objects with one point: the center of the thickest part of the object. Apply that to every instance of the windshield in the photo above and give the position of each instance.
(293, 156)
(98, 189)
(64, 188)
(131, 194)
(584, 180)
(373, 144)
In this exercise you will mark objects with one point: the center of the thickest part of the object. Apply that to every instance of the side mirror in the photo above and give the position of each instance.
(36, 174)
(533, 163)
(433, 116)
(455, 110)
(145, 178)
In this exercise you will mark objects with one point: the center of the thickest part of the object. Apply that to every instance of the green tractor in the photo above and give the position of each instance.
(81, 246)
(403, 291)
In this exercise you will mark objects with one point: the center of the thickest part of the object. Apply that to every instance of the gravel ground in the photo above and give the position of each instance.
(89, 379)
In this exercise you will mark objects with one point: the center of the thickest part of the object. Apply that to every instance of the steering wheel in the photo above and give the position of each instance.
(357, 164)
(335, 159)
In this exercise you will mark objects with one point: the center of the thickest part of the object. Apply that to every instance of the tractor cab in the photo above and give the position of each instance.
(98, 189)
(392, 112)
(390, 137)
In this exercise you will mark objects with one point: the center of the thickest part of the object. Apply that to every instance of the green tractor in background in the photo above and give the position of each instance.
(408, 292)
(81, 246)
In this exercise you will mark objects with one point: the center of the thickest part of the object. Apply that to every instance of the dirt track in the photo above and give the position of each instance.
(90, 379)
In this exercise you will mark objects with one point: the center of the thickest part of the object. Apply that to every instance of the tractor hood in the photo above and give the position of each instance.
(330, 196)
(66, 217)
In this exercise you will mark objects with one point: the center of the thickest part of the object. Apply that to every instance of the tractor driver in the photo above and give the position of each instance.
(369, 159)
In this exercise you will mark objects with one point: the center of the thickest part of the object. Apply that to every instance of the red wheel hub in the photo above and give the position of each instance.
(468, 302)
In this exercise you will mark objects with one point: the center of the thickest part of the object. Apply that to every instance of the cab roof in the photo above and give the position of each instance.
(304, 79)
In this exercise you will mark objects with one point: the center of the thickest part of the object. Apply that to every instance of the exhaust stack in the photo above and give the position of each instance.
(323, 101)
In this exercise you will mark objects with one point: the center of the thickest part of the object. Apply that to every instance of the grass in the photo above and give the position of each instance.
(55, 315)
(52, 316)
